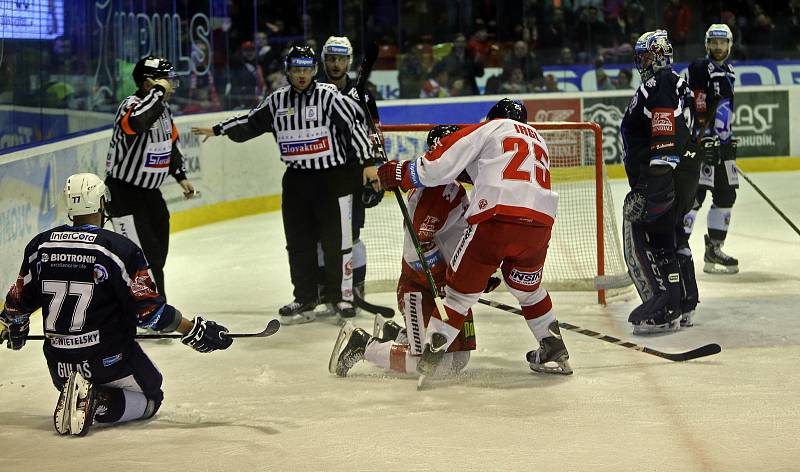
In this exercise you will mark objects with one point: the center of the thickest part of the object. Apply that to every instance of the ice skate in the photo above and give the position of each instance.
(716, 261)
(348, 349)
(654, 316)
(386, 330)
(298, 312)
(687, 319)
(664, 321)
(432, 355)
(345, 309)
(552, 356)
(76, 405)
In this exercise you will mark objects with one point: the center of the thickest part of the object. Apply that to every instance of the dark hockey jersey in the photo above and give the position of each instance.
(94, 288)
(350, 92)
(657, 123)
(712, 85)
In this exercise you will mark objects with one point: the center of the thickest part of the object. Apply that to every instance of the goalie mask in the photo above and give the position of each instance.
(511, 109)
(719, 41)
(337, 55)
(86, 194)
(653, 52)
(154, 67)
(300, 66)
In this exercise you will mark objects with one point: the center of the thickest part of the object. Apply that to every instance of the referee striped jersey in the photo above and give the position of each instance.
(315, 129)
(144, 143)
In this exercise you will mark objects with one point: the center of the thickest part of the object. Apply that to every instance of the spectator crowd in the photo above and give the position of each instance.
(439, 48)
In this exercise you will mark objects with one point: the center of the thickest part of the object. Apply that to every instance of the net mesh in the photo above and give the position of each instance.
(572, 258)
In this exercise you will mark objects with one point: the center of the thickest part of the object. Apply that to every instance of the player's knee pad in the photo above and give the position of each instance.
(527, 299)
(460, 302)
(724, 195)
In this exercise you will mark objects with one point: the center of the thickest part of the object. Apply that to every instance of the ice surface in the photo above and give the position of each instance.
(270, 404)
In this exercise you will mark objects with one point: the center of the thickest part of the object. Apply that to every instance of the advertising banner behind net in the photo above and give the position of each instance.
(761, 123)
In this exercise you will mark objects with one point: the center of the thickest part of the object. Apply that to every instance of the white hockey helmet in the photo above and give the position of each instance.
(338, 46)
(85, 194)
(719, 31)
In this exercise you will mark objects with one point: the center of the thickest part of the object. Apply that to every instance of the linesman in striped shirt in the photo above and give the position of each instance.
(328, 158)
(143, 151)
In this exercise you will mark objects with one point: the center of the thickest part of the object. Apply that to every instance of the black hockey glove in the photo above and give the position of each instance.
(651, 198)
(15, 330)
(371, 197)
(207, 336)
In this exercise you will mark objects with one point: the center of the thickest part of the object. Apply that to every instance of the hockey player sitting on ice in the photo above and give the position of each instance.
(510, 217)
(662, 165)
(711, 79)
(437, 214)
(94, 288)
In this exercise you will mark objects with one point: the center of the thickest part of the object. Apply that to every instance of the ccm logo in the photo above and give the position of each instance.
(526, 278)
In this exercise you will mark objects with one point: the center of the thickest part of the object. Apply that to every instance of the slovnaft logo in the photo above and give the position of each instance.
(663, 122)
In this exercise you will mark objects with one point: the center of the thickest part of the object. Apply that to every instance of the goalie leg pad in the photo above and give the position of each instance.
(655, 274)
(640, 260)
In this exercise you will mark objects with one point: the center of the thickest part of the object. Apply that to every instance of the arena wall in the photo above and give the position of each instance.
(238, 179)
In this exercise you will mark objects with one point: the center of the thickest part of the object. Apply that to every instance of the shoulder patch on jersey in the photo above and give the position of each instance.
(710, 67)
(99, 273)
(651, 82)
(663, 122)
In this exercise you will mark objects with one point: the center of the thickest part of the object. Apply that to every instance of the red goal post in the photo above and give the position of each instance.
(585, 251)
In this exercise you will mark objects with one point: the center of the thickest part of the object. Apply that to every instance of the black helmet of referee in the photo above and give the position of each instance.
(152, 67)
(511, 109)
(300, 56)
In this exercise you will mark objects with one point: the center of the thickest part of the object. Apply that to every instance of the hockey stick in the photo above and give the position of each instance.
(272, 327)
(384, 311)
(370, 56)
(774, 207)
(702, 351)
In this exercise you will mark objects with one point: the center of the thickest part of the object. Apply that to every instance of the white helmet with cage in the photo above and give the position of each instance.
(653, 52)
(719, 31)
(85, 194)
(338, 46)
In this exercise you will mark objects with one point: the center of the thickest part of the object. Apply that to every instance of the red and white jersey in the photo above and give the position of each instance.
(437, 215)
(508, 163)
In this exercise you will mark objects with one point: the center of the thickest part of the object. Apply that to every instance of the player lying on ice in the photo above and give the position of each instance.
(94, 288)
(491, 235)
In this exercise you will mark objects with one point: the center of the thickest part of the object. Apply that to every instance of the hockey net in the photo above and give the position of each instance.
(584, 252)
